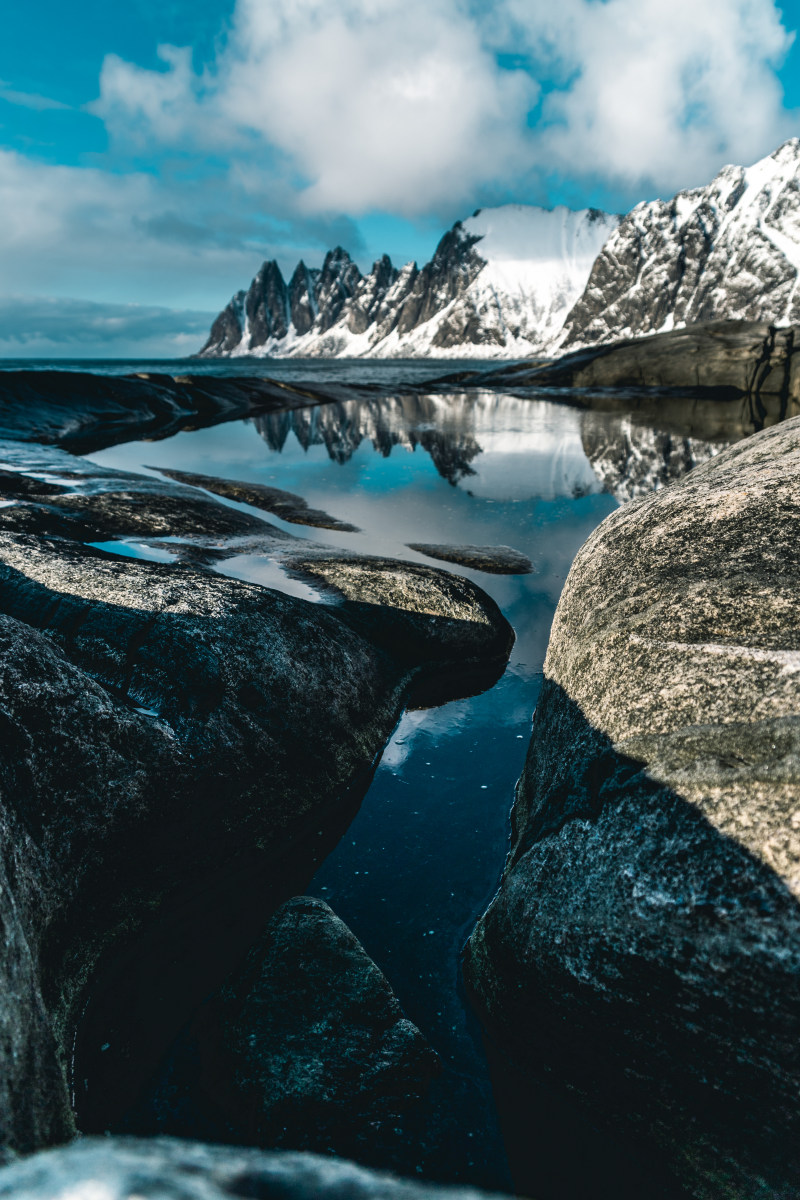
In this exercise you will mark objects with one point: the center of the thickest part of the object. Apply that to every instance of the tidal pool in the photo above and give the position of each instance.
(423, 855)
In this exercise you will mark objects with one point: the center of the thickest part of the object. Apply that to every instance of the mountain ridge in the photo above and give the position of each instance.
(499, 283)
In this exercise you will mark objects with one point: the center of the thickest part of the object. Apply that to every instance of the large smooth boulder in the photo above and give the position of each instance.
(644, 947)
(167, 1169)
(178, 750)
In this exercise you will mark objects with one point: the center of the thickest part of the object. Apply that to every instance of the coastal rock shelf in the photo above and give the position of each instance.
(644, 947)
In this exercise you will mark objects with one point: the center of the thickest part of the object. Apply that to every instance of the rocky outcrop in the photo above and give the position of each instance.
(84, 412)
(499, 283)
(495, 560)
(305, 1047)
(178, 749)
(286, 505)
(749, 370)
(728, 250)
(122, 1168)
(644, 947)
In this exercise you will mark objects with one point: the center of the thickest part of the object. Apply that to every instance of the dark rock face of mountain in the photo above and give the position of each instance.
(449, 273)
(728, 250)
(303, 305)
(644, 946)
(226, 332)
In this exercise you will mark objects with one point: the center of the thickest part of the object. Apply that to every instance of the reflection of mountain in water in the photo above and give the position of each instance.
(631, 460)
(505, 446)
(430, 422)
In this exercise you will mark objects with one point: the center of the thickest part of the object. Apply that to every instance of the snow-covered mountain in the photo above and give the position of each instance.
(499, 284)
(728, 250)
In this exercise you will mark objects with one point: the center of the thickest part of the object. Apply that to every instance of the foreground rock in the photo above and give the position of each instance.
(304, 1047)
(165, 1169)
(178, 750)
(286, 505)
(495, 560)
(644, 947)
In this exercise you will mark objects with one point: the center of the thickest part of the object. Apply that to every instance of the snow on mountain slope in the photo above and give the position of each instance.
(499, 284)
(728, 250)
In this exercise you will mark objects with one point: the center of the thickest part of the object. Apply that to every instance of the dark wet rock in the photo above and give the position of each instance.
(177, 747)
(84, 412)
(644, 947)
(496, 560)
(286, 505)
(750, 367)
(167, 1169)
(305, 1047)
(410, 610)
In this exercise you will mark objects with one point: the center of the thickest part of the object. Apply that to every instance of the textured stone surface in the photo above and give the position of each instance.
(304, 1047)
(286, 505)
(750, 370)
(496, 560)
(176, 748)
(166, 1169)
(644, 947)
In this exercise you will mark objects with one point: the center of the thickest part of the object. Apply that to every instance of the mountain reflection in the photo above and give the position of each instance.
(503, 446)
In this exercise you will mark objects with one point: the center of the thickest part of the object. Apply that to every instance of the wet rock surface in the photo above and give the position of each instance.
(748, 369)
(644, 947)
(168, 1169)
(83, 411)
(496, 560)
(176, 749)
(304, 1047)
(286, 505)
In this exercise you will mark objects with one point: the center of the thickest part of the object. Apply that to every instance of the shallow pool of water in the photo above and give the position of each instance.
(424, 854)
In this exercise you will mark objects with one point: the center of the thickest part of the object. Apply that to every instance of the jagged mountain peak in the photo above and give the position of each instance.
(730, 250)
(499, 282)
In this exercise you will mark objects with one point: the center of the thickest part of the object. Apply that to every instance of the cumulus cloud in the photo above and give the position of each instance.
(67, 328)
(661, 94)
(405, 105)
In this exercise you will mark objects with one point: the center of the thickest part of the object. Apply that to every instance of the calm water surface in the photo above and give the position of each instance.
(423, 856)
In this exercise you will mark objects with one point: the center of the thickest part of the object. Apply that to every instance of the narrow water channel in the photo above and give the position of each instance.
(423, 855)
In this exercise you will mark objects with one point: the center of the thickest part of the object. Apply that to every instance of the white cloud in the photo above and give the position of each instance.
(401, 104)
(119, 237)
(664, 94)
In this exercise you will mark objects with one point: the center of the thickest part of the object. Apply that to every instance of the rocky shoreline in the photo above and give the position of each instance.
(180, 750)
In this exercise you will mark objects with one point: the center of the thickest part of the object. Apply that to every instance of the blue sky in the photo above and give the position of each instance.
(153, 154)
